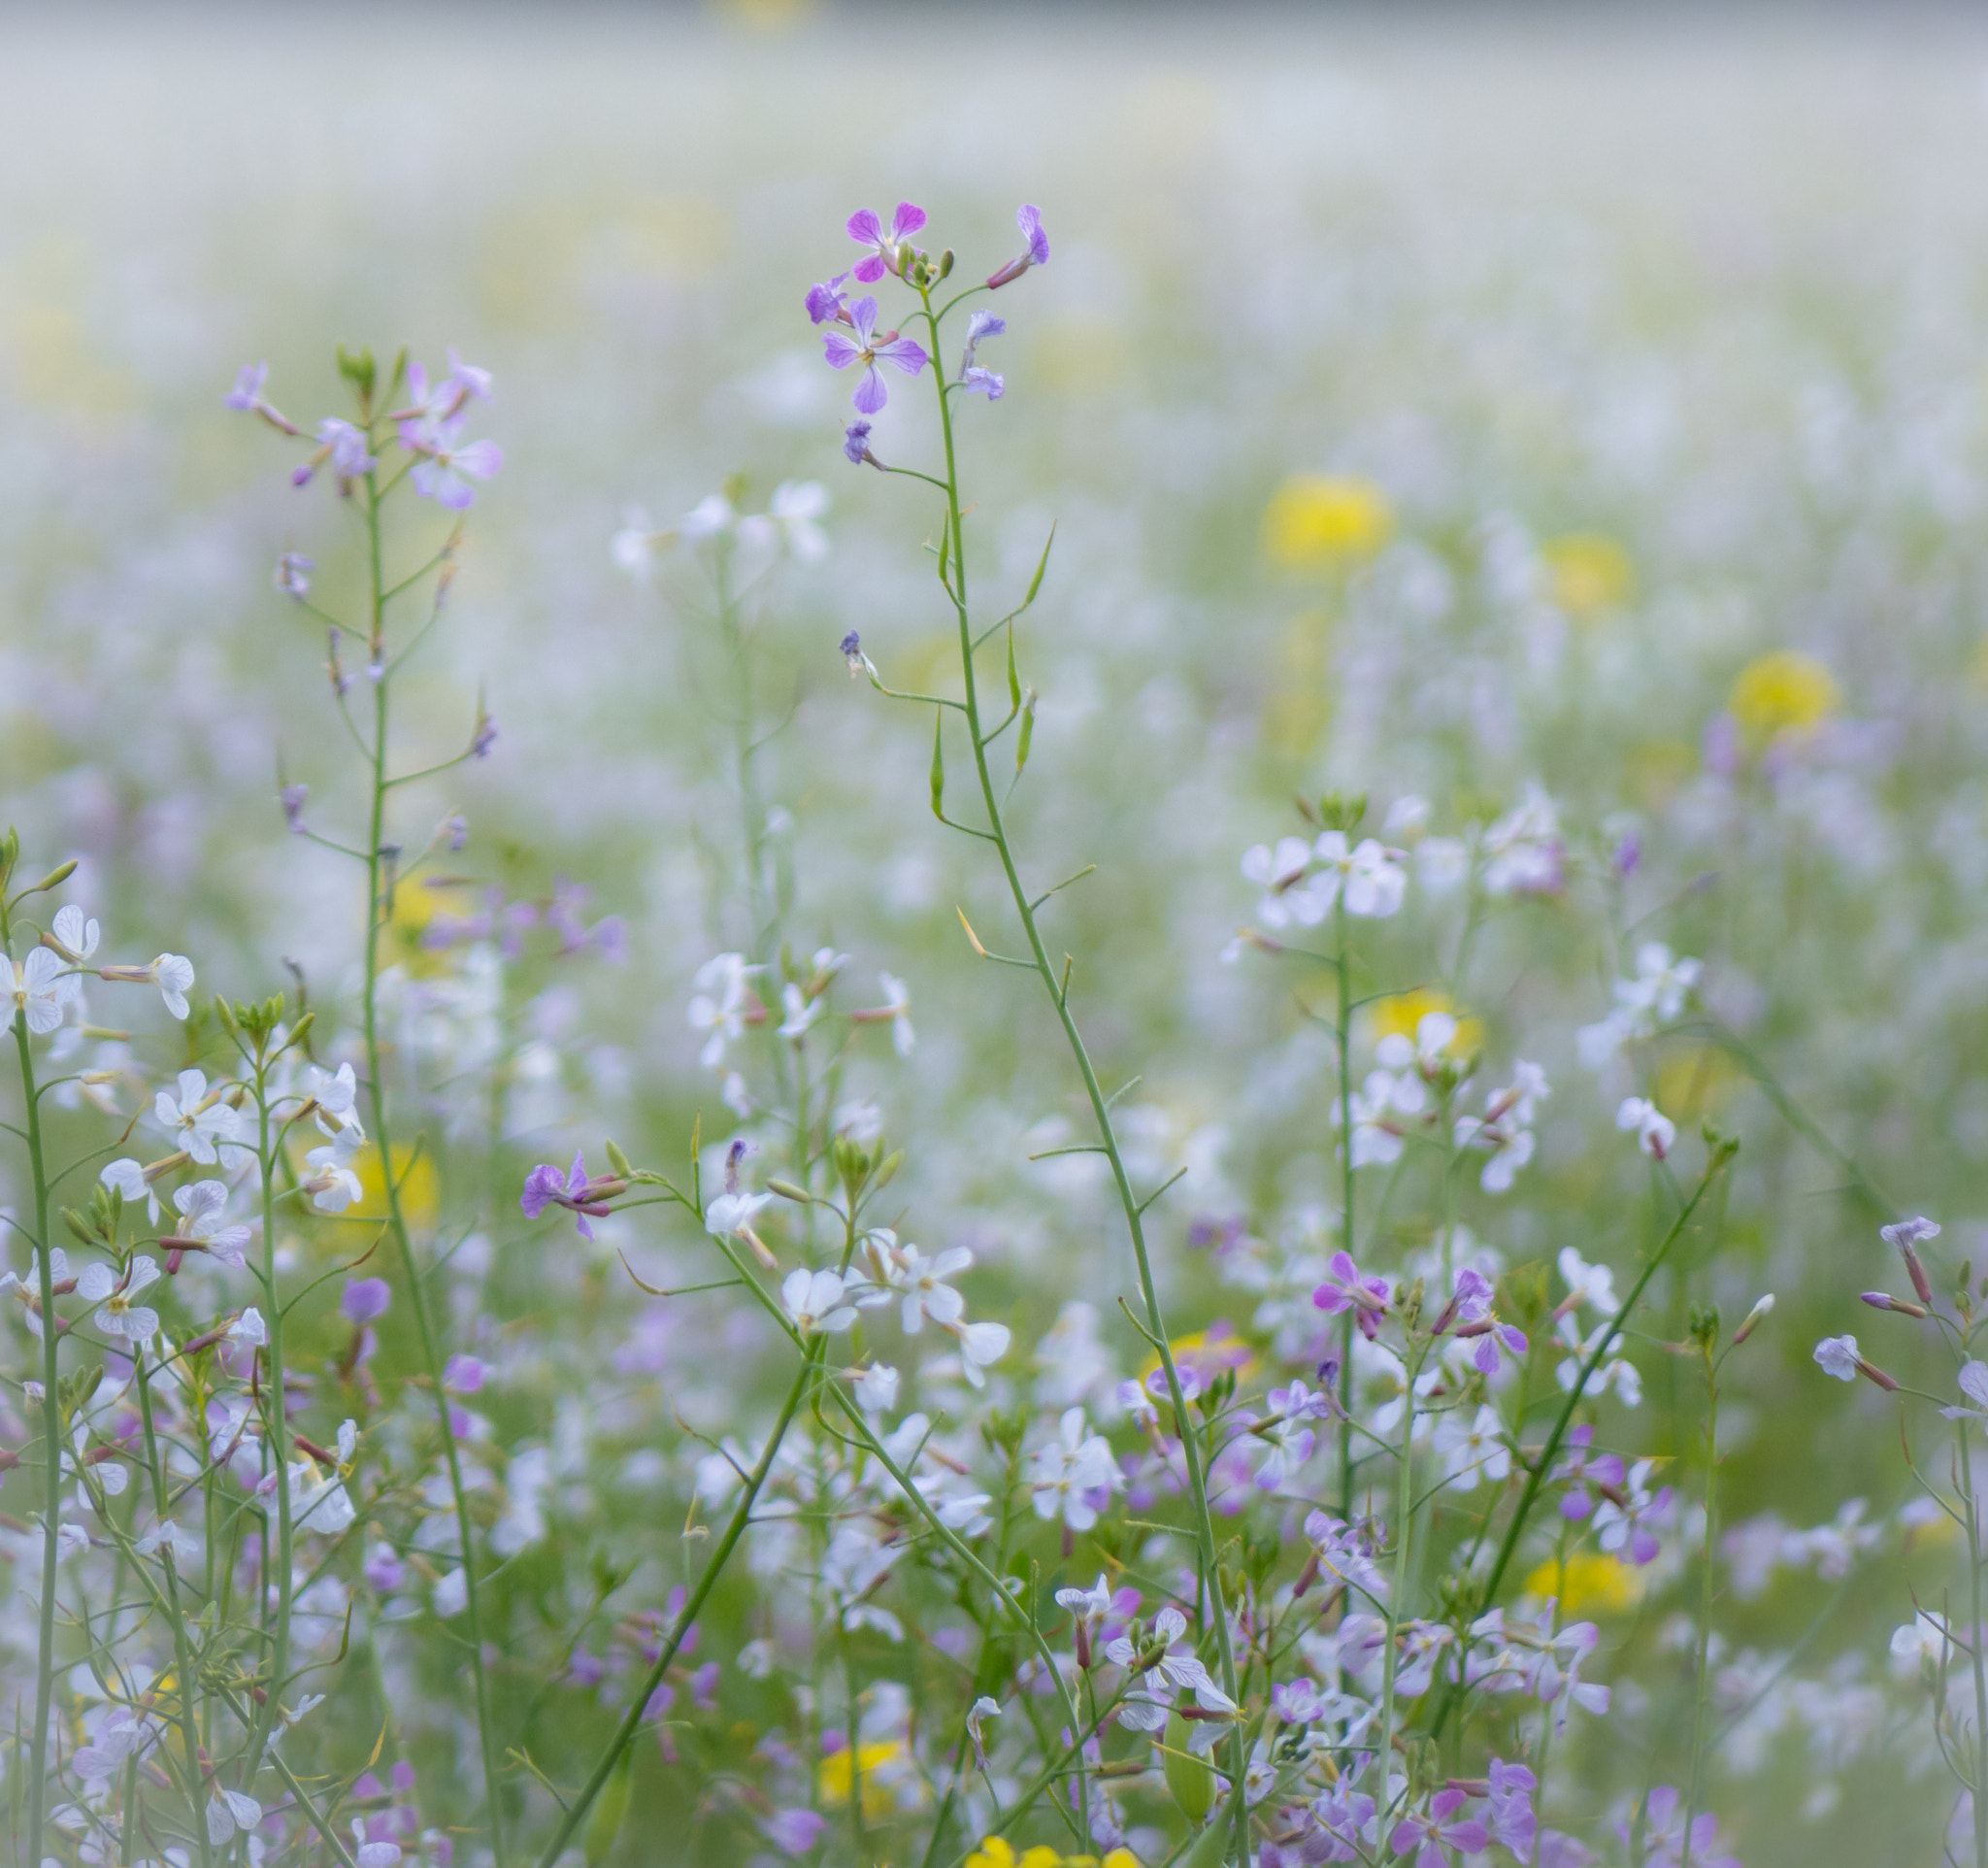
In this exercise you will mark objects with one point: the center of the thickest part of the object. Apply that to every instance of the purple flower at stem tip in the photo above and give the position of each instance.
(883, 256)
(579, 1195)
(1035, 254)
(293, 796)
(856, 445)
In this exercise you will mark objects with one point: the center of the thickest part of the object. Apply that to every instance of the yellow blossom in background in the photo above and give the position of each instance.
(1693, 1085)
(1209, 1350)
(764, 15)
(414, 906)
(995, 1852)
(1401, 1013)
(1781, 693)
(1590, 1582)
(870, 1762)
(1587, 574)
(1317, 521)
(1655, 771)
(419, 1195)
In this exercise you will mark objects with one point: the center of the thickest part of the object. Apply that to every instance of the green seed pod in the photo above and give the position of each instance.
(1191, 1780)
(1027, 733)
(1212, 1847)
(937, 764)
(946, 263)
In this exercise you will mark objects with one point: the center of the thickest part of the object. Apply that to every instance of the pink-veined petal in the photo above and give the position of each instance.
(869, 269)
(864, 226)
(902, 353)
(907, 219)
(871, 394)
(841, 349)
(482, 458)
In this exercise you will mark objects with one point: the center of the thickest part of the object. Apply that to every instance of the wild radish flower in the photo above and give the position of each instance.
(343, 445)
(1345, 1287)
(861, 345)
(1908, 1235)
(974, 380)
(1283, 1441)
(136, 1183)
(801, 1011)
(1617, 1372)
(335, 1099)
(1166, 1672)
(826, 300)
(731, 1215)
(719, 1005)
(246, 396)
(333, 1183)
(1586, 1284)
(1073, 1475)
(198, 1121)
(1505, 1130)
(1427, 1053)
(170, 973)
(981, 1346)
(1088, 1609)
(922, 1282)
(883, 256)
(896, 1009)
(319, 1500)
(446, 457)
(1623, 1522)
(814, 1301)
(1838, 1357)
(1655, 1133)
(42, 986)
(1973, 1384)
(465, 383)
(1664, 1837)
(788, 522)
(1471, 1448)
(75, 937)
(292, 574)
(1379, 1110)
(1428, 1833)
(1292, 891)
(1469, 1313)
(121, 1314)
(229, 1811)
(876, 1387)
(856, 451)
(1034, 251)
(585, 1199)
(1367, 875)
(1523, 849)
(201, 1207)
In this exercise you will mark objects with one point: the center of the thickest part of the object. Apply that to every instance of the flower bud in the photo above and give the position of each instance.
(946, 263)
(1884, 1300)
(1754, 1318)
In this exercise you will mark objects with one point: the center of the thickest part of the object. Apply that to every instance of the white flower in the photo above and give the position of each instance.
(1377, 1110)
(42, 986)
(922, 1283)
(249, 1329)
(813, 1299)
(201, 1206)
(633, 546)
(897, 1002)
(128, 1179)
(1292, 892)
(877, 1389)
(319, 1500)
(1470, 1447)
(729, 1215)
(228, 1811)
(337, 1098)
(710, 517)
(173, 975)
(121, 1316)
(1427, 1053)
(1075, 1473)
(1617, 1372)
(1655, 1133)
(717, 1005)
(1171, 1672)
(197, 1122)
(789, 521)
(1586, 1284)
(1370, 874)
(1522, 849)
(983, 1708)
(333, 1185)
(802, 1011)
(1923, 1639)
(981, 1346)
(78, 936)
(1837, 1355)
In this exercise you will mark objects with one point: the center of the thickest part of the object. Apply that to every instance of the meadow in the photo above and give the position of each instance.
(991, 943)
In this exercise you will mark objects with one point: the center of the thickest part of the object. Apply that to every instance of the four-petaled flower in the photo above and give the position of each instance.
(201, 1207)
(585, 1199)
(334, 1183)
(814, 1301)
(200, 1120)
(1345, 1284)
(1429, 1833)
(42, 986)
(1655, 1133)
(121, 1315)
(866, 229)
(860, 343)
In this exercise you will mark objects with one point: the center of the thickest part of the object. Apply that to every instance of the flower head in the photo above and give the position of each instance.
(861, 344)
(1034, 249)
(885, 255)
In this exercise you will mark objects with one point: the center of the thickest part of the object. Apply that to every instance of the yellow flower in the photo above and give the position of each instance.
(1207, 1351)
(869, 1764)
(1317, 521)
(995, 1851)
(1591, 1582)
(420, 1199)
(1782, 693)
(1401, 1013)
(1587, 574)
(1697, 1082)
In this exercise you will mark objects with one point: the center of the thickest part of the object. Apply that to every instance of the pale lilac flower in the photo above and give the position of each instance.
(869, 349)
(335, 1097)
(1472, 1449)
(344, 447)
(198, 1123)
(1291, 892)
(229, 1811)
(1367, 876)
(201, 1207)
(825, 301)
(121, 1316)
(1468, 1311)
(1429, 1833)
(1664, 1834)
(795, 1832)
(1171, 1672)
(246, 395)
(972, 378)
(856, 445)
(365, 1299)
(1627, 1522)
(1345, 1285)
(446, 458)
(979, 382)
(1035, 253)
(1655, 1133)
(586, 1200)
(1073, 1475)
(1839, 1357)
(866, 229)
(292, 798)
(292, 574)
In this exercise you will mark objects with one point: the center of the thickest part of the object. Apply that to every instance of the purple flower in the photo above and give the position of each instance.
(366, 1298)
(856, 445)
(825, 301)
(429, 410)
(464, 1375)
(579, 1196)
(247, 395)
(1469, 1313)
(1513, 1825)
(1578, 1472)
(976, 381)
(795, 1832)
(1428, 1835)
(293, 796)
(867, 230)
(293, 571)
(1344, 1286)
(1035, 254)
(343, 446)
(486, 737)
(439, 475)
(866, 347)
(1663, 1833)
(384, 1569)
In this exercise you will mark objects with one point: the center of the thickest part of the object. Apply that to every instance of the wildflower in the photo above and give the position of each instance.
(825, 301)
(1293, 892)
(1973, 1384)
(319, 1500)
(1624, 1520)
(445, 459)
(1429, 1833)
(814, 1300)
(1166, 1673)
(1431, 1050)
(981, 1346)
(341, 443)
(201, 1207)
(334, 1099)
(1344, 1552)
(1655, 1133)
(1088, 1609)
(292, 574)
(1587, 574)
(802, 1011)
(1523, 849)
(1664, 1838)
(1908, 1235)
(137, 1183)
(875, 1389)
(883, 256)
(922, 1280)
(1838, 1357)
(1471, 1448)
(200, 1120)
(333, 1183)
(1369, 872)
(229, 1811)
(1073, 1475)
(121, 1316)
(856, 445)
(75, 938)
(895, 1011)
(246, 395)
(41, 990)
(1326, 521)
(585, 1199)
(1617, 1372)
(974, 380)
(788, 522)
(869, 349)
(1283, 1443)
(1586, 1284)
(1505, 1129)
(1344, 1287)
(795, 1832)
(719, 1004)
(1469, 1313)
(1035, 251)
(1780, 696)
(365, 1299)
(170, 973)
(1376, 1108)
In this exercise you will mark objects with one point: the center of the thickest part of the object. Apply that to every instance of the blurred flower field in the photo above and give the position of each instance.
(1513, 648)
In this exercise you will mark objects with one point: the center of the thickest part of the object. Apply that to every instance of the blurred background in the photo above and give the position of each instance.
(1428, 401)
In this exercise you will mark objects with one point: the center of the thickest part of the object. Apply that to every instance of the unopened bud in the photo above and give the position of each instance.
(788, 1190)
(1754, 1318)
(946, 263)
(56, 877)
(1884, 1300)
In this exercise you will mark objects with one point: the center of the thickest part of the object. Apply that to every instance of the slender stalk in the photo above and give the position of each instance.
(51, 1437)
(1701, 1719)
(997, 834)
(1404, 1517)
(1344, 1034)
(383, 1140)
(1964, 1479)
(182, 1654)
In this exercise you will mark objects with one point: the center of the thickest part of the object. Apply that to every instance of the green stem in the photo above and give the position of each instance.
(1197, 1484)
(51, 1437)
(1965, 1480)
(1344, 1036)
(1701, 1719)
(1404, 1515)
(383, 1138)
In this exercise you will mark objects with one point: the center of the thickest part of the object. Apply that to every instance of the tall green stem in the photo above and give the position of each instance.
(382, 1138)
(1964, 1479)
(997, 831)
(51, 1436)
(1403, 1502)
(1344, 1033)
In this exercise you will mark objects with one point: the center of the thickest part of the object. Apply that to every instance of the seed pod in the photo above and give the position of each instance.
(1191, 1780)
(937, 764)
(946, 263)
(1027, 733)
